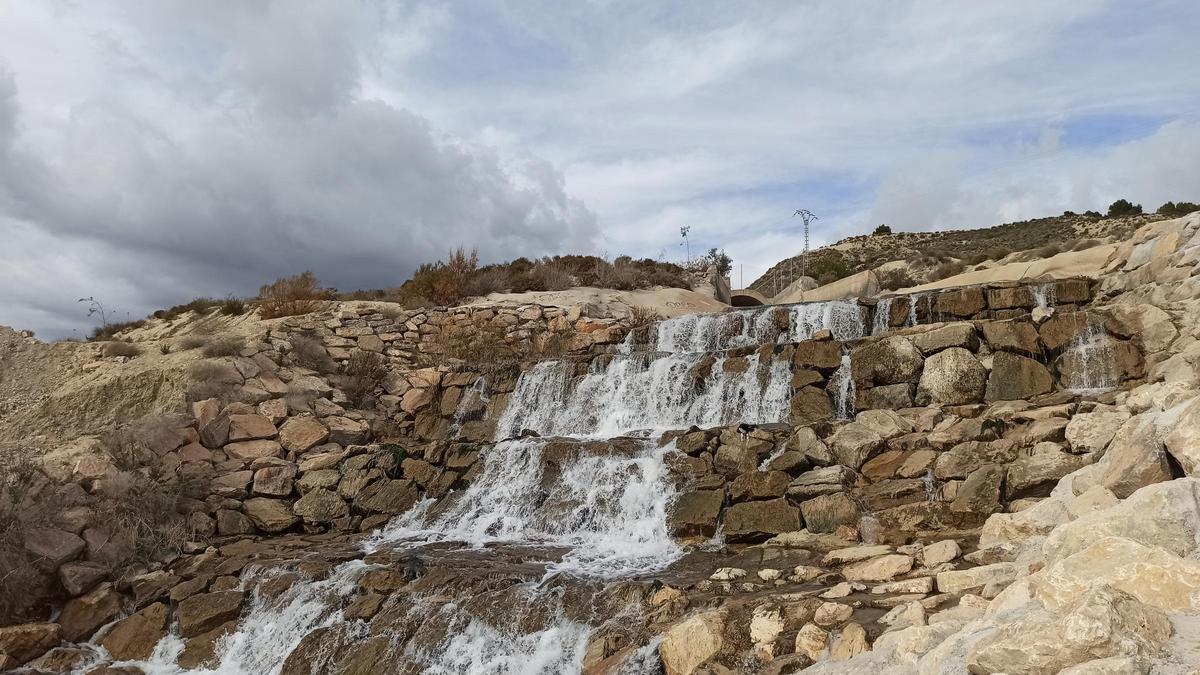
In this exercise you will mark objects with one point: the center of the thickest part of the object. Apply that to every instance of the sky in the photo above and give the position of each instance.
(153, 151)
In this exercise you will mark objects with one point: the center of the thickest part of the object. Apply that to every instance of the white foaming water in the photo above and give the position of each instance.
(842, 384)
(1091, 353)
(269, 630)
(610, 510)
(641, 391)
(694, 333)
(478, 648)
(883, 312)
(1045, 296)
(472, 405)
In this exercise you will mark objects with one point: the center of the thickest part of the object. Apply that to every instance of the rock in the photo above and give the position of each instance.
(215, 433)
(757, 521)
(202, 613)
(980, 492)
(320, 506)
(892, 360)
(916, 585)
(387, 496)
(269, 515)
(820, 355)
(1103, 623)
(940, 552)
(695, 513)
(1114, 665)
(134, 637)
(958, 581)
(810, 641)
(1151, 574)
(809, 406)
(248, 451)
(951, 335)
(199, 652)
(345, 431)
(81, 616)
(828, 512)
(882, 568)
(851, 641)
(754, 485)
(250, 427)
(854, 444)
(1165, 515)
(1013, 336)
(825, 480)
(690, 643)
(728, 574)
(52, 547)
(231, 522)
(1183, 442)
(832, 614)
(885, 397)
(274, 481)
(1135, 458)
(1035, 475)
(853, 554)
(952, 377)
(965, 458)
(963, 302)
(301, 434)
(1092, 432)
(1016, 377)
(26, 642)
(80, 577)
(231, 485)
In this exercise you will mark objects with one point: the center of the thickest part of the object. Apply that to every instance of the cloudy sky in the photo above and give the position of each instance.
(152, 151)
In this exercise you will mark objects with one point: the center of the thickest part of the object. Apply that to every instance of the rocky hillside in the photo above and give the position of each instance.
(924, 252)
(996, 478)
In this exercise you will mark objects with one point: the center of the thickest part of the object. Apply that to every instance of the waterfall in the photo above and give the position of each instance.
(1089, 361)
(883, 312)
(912, 308)
(472, 406)
(475, 647)
(842, 384)
(694, 333)
(609, 509)
(646, 392)
(1045, 296)
(931, 491)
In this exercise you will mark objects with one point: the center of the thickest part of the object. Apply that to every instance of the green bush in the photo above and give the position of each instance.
(1122, 208)
(882, 229)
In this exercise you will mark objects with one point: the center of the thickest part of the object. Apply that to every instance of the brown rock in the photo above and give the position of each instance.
(274, 481)
(81, 616)
(759, 485)
(269, 515)
(810, 405)
(824, 356)
(695, 513)
(215, 433)
(300, 434)
(1016, 377)
(134, 637)
(952, 376)
(232, 485)
(80, 577)
(387, 496)
(828, 512)
(320, 506)
(26, 642)
(200, 651)
(757, 521)
(892, 360)
(248, 451)
(231, 522)
(202, 613)
(962, 302)
(52, 547)
(1136, 457)
(1016, 335)
(250, 427)
(345, 431)
(980, 493)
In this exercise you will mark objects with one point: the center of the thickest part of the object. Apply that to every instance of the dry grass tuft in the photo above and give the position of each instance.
(363, 372)
(308, 352)
(225, 345)
(119, 348)
(291, 296)
(192, 341)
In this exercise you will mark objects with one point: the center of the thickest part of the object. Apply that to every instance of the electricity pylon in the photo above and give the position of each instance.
(808, 216)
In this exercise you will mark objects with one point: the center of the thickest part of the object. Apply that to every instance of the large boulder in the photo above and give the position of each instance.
(692, 642)
(1035, 474)
(388, 496)
(1151, 574)
(980, 492)
(952, 377)
(28, 641)
(1012, 336)
(1166, 515)
(1099, 624)
(757, 521)
(754, 485)
(1016, 377)
(810, 405)
(1091, 432)
(695, 513)
(52, 547)
(250, 428)
(1183, 442)
(134, 637)
(300, 434)
(828, 512)
(854, 444)
(320, 506)
(206, 611)
(269, 515)
(960, 334)
(81, 616)
(960, 302)
(1135, 458)
(883, 568)
(892, 360)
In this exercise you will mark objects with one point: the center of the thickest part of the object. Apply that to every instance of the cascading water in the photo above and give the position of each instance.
(913, 301)
(842, 384)
(883, 313)
(472, 405)
(1090, 361)
(695, 333)
(645, 392)
(609, 509)
(1045, 296)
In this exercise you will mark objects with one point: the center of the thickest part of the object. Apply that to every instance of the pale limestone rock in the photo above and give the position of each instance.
(852, 640)
(1092, 432)
(906, 586)
(854, 554)
(769, 574)
(837, 591)
(940, 552)
(766, 624)
(690, 643)
(1135, 458)
(952, 377)
(1037, 520)
(882, 568)
(810, 641)
(908, 645)
(1153, 575)
(1183, 442)
(904, 616)
(1100, 624)
(832, 614)
(1097, 498)
(728, 574)
(1113, 665)
(1164, 514)
(957, 581)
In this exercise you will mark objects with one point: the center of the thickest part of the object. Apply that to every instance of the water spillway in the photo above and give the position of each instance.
(695, 333)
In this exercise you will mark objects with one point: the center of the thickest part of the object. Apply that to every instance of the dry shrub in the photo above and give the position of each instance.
(308, 352)
(211, 379)
(549, 276)
(232, 306)
(643, 316)
(363, 372)
(896, 279)
(110, 330)
(192, 341)
(1085, 244)
(225, 345)
(490, 280)
(291, 296)
(119, 348)
(21, 584)
(1049, 250)
(947, 270)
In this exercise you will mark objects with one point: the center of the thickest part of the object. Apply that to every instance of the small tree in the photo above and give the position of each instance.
(1122, 208)
(1174, 210)
(882, 229)
(723, 263)
(290, 296)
